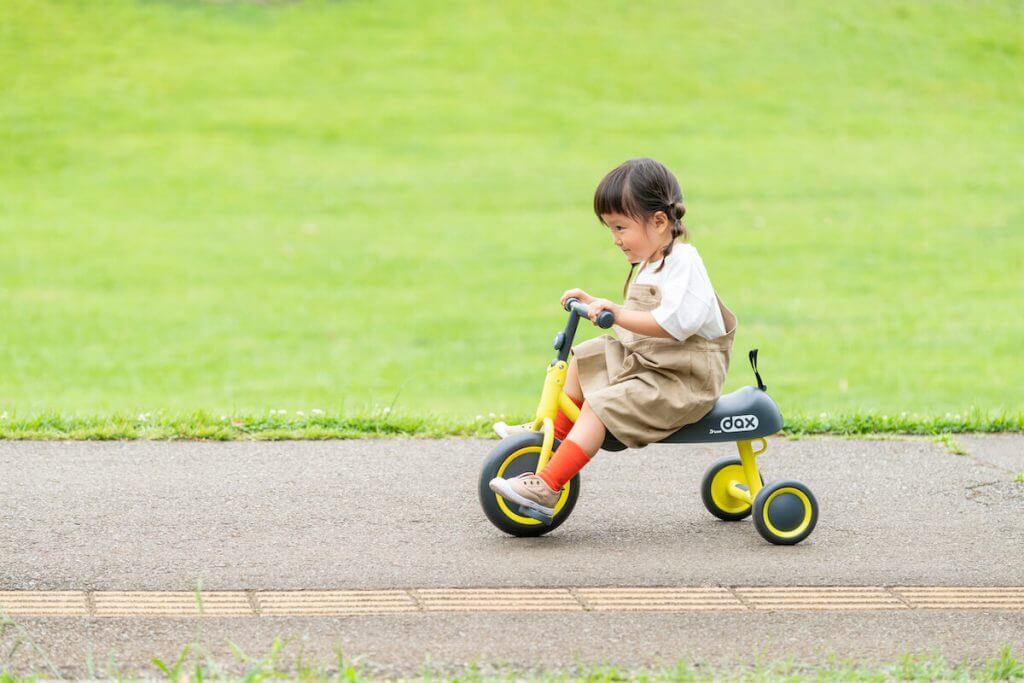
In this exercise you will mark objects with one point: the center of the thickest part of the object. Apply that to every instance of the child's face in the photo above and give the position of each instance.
(638, 240)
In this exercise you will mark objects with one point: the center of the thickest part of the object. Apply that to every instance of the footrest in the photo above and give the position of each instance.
(530, 512)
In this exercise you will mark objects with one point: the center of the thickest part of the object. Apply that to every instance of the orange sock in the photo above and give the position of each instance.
(566, 461)
(562, 423)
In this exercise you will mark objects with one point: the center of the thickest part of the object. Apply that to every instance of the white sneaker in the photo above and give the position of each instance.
(505, 430)
(528, 490)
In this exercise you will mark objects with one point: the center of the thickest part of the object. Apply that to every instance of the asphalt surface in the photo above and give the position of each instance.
(153, 516)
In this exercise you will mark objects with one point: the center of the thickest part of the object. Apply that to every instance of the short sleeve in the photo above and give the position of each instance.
(681, 313)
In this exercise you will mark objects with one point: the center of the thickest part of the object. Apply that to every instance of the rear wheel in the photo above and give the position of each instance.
(785, 512)
(714, 490)
(513, 456)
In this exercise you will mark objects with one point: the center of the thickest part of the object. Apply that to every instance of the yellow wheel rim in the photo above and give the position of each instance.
(720, 483)
(516, 517)
(803, 524)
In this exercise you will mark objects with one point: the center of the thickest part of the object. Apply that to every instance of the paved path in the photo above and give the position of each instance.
(259, 520)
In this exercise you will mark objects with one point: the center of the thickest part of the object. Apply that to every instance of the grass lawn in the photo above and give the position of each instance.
(344, 206)
(284, 659)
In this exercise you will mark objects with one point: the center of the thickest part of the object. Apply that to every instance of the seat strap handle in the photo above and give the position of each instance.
(753, 364)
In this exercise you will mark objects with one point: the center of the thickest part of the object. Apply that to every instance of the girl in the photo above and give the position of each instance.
(668, 364)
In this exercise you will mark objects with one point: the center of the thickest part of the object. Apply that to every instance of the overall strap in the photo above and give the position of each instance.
(753, 364)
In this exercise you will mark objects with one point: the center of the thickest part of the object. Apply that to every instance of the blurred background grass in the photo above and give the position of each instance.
(338, 205)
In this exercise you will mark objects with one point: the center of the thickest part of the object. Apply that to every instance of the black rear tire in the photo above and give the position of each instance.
(785, 512)
(713, 483)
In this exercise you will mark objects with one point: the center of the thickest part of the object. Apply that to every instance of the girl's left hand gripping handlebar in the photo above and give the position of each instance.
(605, 319)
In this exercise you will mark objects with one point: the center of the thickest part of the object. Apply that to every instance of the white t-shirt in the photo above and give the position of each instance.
(688, 303)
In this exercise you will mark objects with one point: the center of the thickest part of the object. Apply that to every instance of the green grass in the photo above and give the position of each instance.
(387, 424)
(195, 662)
(237, 207)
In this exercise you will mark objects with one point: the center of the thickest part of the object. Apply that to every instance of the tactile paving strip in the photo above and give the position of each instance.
(43, 603)
(819, 598)
(953, 597)
(497, 600)
(171, 604)
(333, 603)
(659, 599)
(305, 603)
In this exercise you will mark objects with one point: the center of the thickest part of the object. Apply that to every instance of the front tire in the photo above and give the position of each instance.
(513, 456)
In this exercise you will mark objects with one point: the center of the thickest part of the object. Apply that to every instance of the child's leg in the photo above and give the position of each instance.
(562, 422)
(582, 443)
(588, 432)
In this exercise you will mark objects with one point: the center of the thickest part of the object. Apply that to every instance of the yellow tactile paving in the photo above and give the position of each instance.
(43, 603)
(333, 603)
(171, 604)
(125, 604)
(497, 600)
(819, 598)
(659, 599)
(953, 597)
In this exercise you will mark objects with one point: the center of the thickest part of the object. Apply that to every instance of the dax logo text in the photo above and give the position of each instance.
(737, 423)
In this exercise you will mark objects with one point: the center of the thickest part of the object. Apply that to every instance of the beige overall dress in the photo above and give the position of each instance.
(645, 388)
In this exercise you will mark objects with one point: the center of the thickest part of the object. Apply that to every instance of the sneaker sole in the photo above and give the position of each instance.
(502, 488)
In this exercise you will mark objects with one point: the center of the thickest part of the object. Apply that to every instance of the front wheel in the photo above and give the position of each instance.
(785, 512)
(513, 456)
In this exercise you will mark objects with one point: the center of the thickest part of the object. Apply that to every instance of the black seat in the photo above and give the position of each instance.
(746, 413)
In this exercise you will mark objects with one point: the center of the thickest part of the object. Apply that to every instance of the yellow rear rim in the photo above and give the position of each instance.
(720, 483)
(530, 521)
(803, 524)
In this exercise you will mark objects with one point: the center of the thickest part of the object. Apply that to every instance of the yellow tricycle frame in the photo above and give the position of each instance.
(552, 399)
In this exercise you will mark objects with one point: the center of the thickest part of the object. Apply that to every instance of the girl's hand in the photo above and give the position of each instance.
(576, 294)
(595, 306)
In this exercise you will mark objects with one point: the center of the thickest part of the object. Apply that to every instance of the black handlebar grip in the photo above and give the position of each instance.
(605, 319)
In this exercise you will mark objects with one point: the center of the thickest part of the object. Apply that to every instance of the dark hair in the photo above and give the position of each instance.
(640, 188)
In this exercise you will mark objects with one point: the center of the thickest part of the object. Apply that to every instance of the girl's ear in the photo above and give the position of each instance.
(660, 221)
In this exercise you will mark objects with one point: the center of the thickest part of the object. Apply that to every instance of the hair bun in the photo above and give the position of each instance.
(676, 211)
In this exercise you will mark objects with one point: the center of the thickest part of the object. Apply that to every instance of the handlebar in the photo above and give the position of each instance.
(605, 319)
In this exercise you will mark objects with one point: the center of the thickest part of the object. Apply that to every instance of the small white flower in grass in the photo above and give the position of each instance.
(223, 418)
(885, 417)
(282, 412)
(823, 415)
(300, 413)
(142, 417)
(388, 409)
(317, 411)
(479, 417)
(3, 416)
